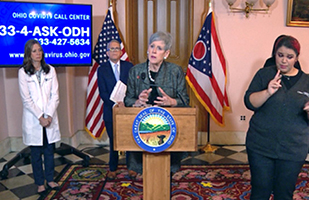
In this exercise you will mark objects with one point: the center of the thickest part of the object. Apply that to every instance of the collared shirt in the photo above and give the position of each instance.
(38, 74)
(113, 66)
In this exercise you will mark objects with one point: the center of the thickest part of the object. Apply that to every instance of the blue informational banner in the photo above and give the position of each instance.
(64, 31)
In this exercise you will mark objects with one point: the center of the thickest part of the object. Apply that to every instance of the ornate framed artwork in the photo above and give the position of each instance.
(298, 13)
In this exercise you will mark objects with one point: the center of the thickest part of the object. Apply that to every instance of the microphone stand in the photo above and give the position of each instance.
(208, 148)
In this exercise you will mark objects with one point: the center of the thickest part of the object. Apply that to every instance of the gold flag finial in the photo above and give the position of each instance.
(110, 2)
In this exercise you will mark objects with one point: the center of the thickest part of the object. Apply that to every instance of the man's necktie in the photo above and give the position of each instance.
(116, 72)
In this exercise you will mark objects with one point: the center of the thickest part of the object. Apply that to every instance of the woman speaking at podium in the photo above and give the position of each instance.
(156, 83)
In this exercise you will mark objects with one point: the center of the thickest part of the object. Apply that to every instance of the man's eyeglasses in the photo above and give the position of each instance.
(114, 49)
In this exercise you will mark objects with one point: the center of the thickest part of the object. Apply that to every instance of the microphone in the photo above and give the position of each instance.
(177, 93)
(143, 76)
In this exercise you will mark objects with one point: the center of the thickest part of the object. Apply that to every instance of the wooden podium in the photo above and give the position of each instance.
(156, 166)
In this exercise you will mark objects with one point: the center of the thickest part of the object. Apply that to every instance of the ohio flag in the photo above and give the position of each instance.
(206, 73)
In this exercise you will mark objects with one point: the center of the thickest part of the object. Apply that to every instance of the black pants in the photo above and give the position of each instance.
(275, 176)
(36, 161)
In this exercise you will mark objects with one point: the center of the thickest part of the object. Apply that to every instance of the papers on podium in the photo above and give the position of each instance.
(119, 92)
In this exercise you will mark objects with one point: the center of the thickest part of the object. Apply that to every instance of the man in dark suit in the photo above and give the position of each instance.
(108, 75)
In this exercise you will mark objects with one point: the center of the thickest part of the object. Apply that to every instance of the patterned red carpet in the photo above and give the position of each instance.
(216, 182)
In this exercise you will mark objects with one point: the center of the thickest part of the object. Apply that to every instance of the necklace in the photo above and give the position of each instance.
(149, 75)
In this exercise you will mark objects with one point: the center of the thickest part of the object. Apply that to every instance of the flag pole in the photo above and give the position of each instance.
(111, 4)
(208, 148)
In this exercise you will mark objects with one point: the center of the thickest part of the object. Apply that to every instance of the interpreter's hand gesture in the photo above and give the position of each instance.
(274, 84)
(165, 100)
(306, 107)
(142, 98)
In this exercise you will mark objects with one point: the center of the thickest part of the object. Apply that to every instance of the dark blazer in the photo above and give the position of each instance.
(106, 83)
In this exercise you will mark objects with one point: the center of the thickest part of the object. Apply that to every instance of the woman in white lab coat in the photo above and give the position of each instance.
(38, 86)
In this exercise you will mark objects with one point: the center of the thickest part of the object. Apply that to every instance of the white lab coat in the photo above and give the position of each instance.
(38, 100)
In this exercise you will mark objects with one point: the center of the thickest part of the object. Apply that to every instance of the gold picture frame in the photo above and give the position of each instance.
(298, 13)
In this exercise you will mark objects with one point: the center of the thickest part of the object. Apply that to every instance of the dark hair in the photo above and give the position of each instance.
(273, 53)
(289, 42)
(27, 63)
(272, 60)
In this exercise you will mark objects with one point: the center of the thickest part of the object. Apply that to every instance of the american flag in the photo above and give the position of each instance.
(206, 73)
(94, 106)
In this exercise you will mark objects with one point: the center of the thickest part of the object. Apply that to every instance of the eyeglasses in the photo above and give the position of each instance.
(114, 49)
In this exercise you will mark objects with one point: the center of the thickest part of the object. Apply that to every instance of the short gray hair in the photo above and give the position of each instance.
(162, 36)
(113, 40)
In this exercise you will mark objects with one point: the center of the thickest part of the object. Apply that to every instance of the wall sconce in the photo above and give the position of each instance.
(249, 6)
